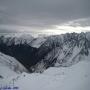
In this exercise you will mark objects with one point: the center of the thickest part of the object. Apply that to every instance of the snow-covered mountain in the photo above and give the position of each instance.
(15, 38)
(66, 58)
(63, 50)
(19, 38)
(9, 66)
(41, 53)
(23, 47)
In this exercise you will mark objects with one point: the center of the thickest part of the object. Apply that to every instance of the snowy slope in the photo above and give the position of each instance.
(10, 66)
(37, 42)
(76, 77)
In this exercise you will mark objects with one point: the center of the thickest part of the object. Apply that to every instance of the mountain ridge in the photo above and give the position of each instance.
(55, 50)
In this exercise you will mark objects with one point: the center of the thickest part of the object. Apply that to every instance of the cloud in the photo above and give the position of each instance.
(71, 26)
(43, 14)
(79, 22)
(79, 25)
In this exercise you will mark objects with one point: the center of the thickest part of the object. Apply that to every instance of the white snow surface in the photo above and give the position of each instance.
(37, 42)
(76, 77)
(9, 66)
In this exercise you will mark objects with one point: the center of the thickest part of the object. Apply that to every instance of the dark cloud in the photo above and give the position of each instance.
(42, 13)
(7, 31)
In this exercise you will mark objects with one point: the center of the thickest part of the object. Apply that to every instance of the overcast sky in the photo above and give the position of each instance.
(56, 16)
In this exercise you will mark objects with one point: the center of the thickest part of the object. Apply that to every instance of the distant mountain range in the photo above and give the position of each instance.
(38, 54)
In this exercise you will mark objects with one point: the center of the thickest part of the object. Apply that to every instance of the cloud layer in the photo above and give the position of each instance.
(43, 14)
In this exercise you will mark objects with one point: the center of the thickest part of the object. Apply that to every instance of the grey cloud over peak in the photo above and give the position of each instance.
(43, 14)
